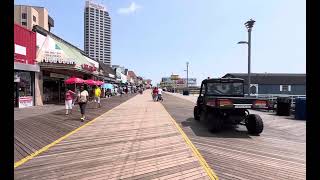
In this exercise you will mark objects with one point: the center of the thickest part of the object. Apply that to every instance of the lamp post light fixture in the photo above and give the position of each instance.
(242, 42)
(249, 24)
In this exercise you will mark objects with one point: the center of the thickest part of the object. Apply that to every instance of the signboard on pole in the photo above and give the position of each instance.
(25, 101)
(181, 81)
(174, 77)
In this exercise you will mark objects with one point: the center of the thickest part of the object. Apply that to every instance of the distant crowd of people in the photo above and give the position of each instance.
(83, 95)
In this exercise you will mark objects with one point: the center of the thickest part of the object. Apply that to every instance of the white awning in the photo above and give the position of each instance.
(95, 63)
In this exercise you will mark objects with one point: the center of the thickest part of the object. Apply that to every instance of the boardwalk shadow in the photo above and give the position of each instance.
(59, 113)
(153, 101)
(73, 119)
(293, 118)
(92, 107)
(229, 131)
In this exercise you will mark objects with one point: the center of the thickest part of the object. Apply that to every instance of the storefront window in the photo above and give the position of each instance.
(24, 84)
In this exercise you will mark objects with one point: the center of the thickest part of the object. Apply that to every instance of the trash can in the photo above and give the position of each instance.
(185, 92)
(283, 106)
(300, 109)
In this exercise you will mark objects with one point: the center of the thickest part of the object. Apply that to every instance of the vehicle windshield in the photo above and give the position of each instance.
(227, 89)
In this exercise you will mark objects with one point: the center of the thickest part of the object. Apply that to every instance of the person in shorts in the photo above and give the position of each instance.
(68, 100)
(97, 94)
(116, 91)
(109, 93)
(82, 101)
(159, 94)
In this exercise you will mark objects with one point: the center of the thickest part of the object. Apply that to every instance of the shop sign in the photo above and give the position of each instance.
(88, 67)
(111, 75)
(174, 77)
(192, 80)
(20, 49)
(55, 75)
(56, 57)
(181, 81)
(25, 101)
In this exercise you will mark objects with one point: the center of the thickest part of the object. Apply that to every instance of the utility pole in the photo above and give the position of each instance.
(187, 75)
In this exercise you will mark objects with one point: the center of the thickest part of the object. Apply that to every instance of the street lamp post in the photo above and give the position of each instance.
(187, 75)
(249, 25)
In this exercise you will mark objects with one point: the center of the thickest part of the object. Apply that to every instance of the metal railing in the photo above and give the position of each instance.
(273, 99)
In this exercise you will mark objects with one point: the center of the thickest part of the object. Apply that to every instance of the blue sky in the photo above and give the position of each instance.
(155, 38)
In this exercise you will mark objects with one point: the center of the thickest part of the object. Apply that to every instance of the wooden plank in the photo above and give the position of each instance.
(137, 140)
(278, 153)
(35, 132)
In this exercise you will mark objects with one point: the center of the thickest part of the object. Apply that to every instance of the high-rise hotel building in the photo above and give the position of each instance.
(97, 32)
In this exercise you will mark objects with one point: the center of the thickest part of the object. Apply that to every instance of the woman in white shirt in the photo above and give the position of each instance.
(159, 95)
(82, 100)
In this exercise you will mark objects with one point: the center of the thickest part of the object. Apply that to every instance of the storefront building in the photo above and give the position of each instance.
(120, 77)
(109, 74)
(58, 61)
(25, 67)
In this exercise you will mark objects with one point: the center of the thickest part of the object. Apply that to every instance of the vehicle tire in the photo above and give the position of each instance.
(203, 116)
(254, 124)
(196, 113)
(215, 123)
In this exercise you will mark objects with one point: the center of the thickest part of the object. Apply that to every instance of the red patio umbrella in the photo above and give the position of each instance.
(90, 82)
(74, 80)
(99, 83)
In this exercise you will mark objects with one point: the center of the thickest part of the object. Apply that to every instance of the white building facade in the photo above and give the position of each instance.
(97, 32)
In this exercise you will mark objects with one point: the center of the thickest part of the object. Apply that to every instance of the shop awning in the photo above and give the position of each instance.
(57, 52)
(74, 54)
(51, 52)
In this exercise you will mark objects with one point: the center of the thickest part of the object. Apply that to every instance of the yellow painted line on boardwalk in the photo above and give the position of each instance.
(195, 151)
(24, 160)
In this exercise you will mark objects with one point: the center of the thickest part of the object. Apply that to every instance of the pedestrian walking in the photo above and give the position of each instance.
(97, 94)
(109, 92)
(68, 100)
(160, 95)
(154, 94)
(140, 90)
(82, 100)
(121, 91)
(106, 93)
(116, 91)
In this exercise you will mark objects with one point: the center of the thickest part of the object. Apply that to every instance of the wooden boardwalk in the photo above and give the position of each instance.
(278, 153)
(34, 129)
(136, 140)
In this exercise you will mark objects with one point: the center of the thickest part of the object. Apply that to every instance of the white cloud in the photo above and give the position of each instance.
(129, 10)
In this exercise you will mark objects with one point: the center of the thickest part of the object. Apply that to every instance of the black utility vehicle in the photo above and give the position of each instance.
(222, 101)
